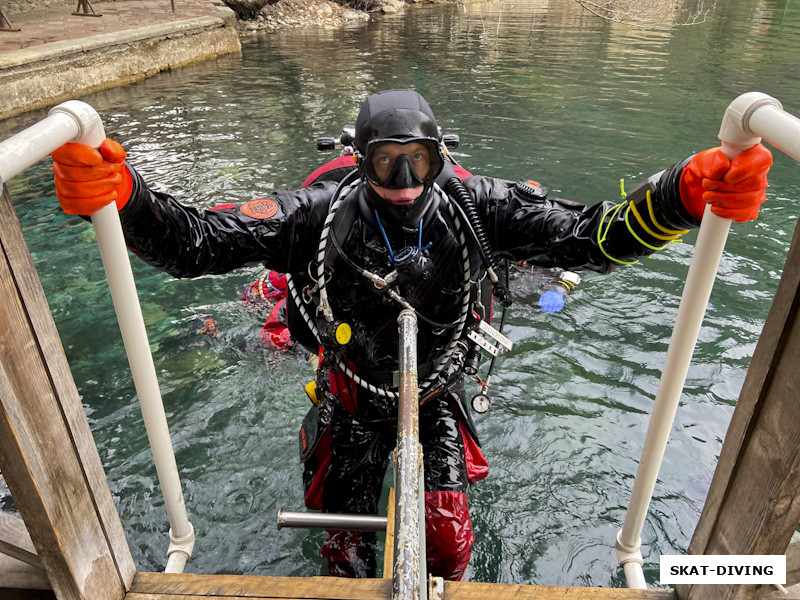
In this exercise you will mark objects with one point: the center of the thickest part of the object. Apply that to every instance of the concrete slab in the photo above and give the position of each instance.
(42, 65)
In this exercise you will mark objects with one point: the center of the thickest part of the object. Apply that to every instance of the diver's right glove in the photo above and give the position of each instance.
(87, 179)
(734, 188)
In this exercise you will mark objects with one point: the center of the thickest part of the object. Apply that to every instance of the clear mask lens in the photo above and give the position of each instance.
(405, 169)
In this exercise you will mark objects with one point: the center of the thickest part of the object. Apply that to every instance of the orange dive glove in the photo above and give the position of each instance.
(87, 178)
(734, 188)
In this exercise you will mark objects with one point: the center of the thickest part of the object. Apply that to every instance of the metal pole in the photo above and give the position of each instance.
(409, 578)
(288, 518)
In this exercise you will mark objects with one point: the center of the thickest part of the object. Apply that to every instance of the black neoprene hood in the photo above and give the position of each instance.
(398, 116)
(394, 115)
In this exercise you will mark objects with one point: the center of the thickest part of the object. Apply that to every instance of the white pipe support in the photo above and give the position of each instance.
(747, 119)
(696, 293)
(631, 561)
(117, 265)
(76, 121)
(122, 286)
(179, 551)
(72, 121)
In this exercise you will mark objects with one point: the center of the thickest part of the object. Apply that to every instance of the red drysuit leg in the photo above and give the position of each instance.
(448, 534)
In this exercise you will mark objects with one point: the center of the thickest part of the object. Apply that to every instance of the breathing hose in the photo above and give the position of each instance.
(459, 324)
(455, 188)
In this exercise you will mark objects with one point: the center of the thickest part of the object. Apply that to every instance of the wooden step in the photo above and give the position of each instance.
(187, 586)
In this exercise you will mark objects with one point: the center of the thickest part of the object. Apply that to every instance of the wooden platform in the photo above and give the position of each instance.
(163, 586)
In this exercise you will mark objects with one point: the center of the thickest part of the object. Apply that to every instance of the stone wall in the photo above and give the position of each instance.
(40, 76)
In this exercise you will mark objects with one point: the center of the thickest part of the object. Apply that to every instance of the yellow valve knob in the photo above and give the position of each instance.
(311, 392)
(343, 333)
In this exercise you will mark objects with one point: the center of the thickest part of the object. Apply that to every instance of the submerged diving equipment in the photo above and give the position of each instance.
(552, 299)
(569, 279)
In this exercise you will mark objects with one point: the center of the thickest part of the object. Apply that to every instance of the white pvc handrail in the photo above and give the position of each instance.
(748, 119)
(76, 121)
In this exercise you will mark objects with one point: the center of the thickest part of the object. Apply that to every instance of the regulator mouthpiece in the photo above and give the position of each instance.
(412, 264)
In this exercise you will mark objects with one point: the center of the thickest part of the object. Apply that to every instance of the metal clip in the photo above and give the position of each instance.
(491, 340)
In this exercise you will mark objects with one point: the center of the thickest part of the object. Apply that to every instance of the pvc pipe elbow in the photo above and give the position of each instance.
(90, 125)
(735, 129)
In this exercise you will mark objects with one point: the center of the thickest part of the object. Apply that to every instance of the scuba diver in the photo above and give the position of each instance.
(267, 294)
(402, 229)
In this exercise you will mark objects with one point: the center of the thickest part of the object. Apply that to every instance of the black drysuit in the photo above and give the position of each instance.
(283, 232)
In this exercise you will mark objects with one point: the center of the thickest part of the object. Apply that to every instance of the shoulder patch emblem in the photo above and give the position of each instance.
(260, 208)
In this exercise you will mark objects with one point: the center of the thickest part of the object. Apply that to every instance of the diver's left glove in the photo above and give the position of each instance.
(87, 179)
(734, 188)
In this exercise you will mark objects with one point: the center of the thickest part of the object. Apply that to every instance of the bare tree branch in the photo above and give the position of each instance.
(650, 14)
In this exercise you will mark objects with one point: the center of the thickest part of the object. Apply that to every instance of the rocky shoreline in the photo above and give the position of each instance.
(298, 14)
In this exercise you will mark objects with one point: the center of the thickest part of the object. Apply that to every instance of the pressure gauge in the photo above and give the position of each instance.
(481, 403)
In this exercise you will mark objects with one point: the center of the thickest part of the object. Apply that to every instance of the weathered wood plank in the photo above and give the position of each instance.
(47, 454)
(793, 564)
(15, 541)
(753, 505)
(52, 354)
(388, 546)
(252, 586)
(13, 594)
(186, 586)
(533, 593)
(17, 574)
(790, 593)
(135, 596)
(468, 590)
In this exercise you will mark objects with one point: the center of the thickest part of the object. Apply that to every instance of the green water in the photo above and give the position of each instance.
(540, 90)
